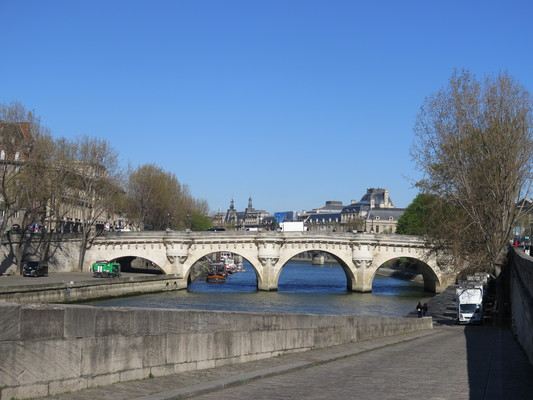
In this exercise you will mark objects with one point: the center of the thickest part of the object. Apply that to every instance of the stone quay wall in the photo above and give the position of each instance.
(48, 349)
(77, 291)
(521, 294)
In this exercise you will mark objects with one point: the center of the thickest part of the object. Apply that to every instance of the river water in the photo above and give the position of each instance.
(303, 289)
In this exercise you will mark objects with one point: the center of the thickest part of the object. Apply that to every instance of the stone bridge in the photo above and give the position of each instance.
(359, 254)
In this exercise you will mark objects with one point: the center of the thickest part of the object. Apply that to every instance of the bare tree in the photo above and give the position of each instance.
(156, 200)
(24, 144)
(474, 143)
(95, 170)
(19, 130)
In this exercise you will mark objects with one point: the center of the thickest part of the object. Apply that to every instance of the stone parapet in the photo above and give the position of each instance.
(87, 289)
(49, 349)
(521, 285)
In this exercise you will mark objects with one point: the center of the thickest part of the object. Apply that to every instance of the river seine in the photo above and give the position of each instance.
(303, 289)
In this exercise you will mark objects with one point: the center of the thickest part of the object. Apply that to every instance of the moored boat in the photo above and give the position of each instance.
(216, 272)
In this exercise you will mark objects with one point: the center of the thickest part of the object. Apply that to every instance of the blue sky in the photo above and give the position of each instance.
(290, 102)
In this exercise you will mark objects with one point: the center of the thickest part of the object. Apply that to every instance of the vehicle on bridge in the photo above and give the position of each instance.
(106, 269)
(470, 304)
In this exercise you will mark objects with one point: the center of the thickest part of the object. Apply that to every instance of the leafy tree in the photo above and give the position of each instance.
(474, 145)
(415, 219)
(199, 221)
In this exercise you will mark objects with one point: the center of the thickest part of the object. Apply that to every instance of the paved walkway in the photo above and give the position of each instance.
(62, 277)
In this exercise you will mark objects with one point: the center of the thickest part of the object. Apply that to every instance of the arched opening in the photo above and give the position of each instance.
(139, 265)
(314, 271)
(222, 272)
(405, 277)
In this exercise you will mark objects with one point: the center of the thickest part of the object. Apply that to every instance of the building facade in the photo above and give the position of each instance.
(248, 219)
(375, 213)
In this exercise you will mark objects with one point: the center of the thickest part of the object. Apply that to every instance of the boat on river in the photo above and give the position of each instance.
(216, 272)
(229, 260)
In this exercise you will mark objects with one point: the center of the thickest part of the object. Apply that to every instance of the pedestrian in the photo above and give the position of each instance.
(419, 310)
(425, 309)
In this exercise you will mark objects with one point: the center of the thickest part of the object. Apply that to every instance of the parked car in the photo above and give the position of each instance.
(15, 228)
(35, 227)
(35, 269)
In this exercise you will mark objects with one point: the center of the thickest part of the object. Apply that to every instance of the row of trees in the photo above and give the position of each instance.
(474, 144)
(46, 179)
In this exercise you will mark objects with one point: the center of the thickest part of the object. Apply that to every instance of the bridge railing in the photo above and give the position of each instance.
(169, 234)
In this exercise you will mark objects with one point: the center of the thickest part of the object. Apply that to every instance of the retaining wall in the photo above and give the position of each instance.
(87, 289)
(48, 349)
(62, 252)
(521, 293)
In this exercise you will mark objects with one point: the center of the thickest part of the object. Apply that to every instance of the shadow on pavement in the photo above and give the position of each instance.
(497, 366)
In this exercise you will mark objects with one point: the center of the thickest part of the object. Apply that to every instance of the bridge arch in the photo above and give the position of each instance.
(337, 253)
(203, 254)
(138, 264)
(126, 253)
(427, 265)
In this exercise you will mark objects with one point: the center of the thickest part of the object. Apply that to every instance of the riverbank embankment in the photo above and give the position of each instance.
(71, 287)
(91, 346)
(400, 273)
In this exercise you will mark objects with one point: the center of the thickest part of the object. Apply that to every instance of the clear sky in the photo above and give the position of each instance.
(291, 102)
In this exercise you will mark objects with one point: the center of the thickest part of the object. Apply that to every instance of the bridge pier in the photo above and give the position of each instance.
(362, 287)
(362, 258)
(267, 278)
(363, 277)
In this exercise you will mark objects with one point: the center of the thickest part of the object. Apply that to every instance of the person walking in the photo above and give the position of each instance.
(425, 309)
(419, 310)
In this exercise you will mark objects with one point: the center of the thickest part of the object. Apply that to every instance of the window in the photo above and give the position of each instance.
(2, 155)
(17, 155)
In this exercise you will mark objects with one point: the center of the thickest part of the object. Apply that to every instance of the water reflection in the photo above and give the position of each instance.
(302, 288)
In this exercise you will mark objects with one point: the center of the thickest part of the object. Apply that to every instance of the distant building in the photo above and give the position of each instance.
(375, 212)
(375, 209)
(250, 218)
(286, 216)
(326, 218)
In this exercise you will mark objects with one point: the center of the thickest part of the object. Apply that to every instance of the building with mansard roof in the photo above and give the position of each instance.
(375, 212)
